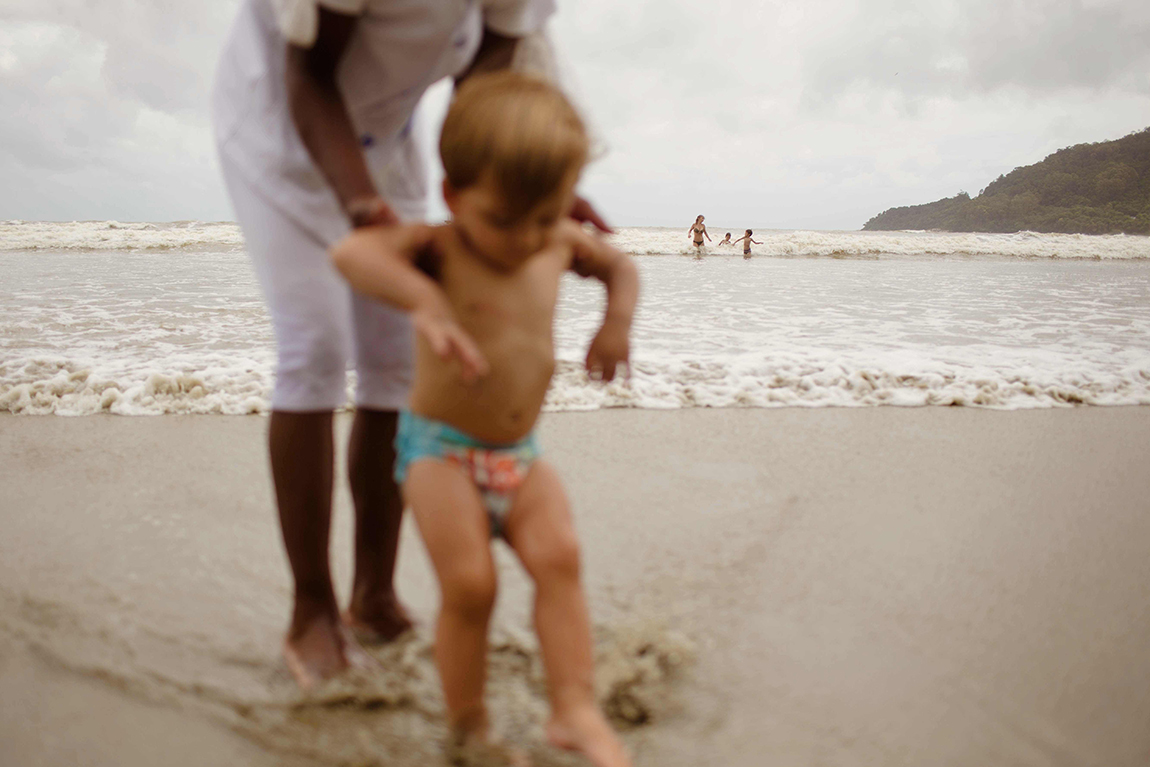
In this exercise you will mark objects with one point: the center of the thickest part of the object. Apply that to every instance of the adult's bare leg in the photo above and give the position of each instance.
(375, 612)
(302, 458)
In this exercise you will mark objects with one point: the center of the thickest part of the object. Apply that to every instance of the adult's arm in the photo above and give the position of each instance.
(320, 115)
(495, 52)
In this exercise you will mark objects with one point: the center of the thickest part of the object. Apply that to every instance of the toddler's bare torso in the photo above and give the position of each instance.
(509, 314)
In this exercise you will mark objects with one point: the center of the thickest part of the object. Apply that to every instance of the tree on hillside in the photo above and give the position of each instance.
(1101, 188)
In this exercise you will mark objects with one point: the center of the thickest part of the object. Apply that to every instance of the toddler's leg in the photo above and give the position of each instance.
(539, 528)
(455, 530)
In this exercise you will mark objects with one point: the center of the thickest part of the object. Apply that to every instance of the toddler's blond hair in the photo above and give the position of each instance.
(520, 129)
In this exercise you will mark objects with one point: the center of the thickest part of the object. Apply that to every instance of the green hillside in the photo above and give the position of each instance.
(1099, 188)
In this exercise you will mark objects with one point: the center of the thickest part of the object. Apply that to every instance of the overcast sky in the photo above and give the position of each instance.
(815, 114)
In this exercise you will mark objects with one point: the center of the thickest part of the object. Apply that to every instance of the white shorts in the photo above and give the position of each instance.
(320, 324)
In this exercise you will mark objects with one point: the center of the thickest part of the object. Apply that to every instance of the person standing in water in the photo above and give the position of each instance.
(746, 240)
(314, 111)
(726, 240)
(699, 231)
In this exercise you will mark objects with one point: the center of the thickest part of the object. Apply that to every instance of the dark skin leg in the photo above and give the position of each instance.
(317, 645)
(374, 613)
(302, 458)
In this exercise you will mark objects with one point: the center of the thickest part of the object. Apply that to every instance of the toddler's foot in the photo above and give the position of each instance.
(586, 730)
(377, 621)
(480, 749)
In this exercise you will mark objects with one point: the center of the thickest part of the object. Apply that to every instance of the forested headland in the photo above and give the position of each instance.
(1101, 188)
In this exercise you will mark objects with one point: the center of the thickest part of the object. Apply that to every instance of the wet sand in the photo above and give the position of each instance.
(939, 586)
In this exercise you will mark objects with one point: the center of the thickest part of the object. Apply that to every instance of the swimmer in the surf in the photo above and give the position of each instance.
(699, 231)
(726, 240)
(746, 240)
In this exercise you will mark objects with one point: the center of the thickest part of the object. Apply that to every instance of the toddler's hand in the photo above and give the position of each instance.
(447, 339)
(583, 212)
(611, 346)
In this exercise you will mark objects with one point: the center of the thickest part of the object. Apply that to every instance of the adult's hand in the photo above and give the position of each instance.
(372, 210)
(583, 212)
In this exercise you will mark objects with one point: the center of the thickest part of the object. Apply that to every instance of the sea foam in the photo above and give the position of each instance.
(775, 243)
(65, 389)
(114, 235)
(117, 236)
(903, 319)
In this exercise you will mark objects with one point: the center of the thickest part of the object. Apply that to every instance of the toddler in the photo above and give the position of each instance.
(481, 291)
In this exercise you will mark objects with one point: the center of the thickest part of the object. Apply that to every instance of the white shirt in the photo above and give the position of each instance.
(398, 49)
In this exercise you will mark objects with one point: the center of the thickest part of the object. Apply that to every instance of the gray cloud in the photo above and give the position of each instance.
(158, 52)
(59, 115)
(964, 47)
(107, 108)
(784, 114)
(1051, 46)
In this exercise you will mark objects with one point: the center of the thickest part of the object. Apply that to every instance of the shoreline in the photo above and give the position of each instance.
(861, 585)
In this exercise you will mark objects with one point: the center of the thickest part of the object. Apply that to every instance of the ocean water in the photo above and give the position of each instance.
(168, 318)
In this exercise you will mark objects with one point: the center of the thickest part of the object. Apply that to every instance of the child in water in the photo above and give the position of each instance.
(481, 291)
(726, 240)
(746, 240)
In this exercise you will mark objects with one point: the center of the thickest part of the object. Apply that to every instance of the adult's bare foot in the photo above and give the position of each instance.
(315, 652)
(377, 620)
(322, 650)
(584, 729)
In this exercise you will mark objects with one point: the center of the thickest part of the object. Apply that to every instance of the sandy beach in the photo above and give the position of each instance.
(833, 586)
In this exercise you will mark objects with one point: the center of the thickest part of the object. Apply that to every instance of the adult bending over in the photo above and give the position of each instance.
(314, 106)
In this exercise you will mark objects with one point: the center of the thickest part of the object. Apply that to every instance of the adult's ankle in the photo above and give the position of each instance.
(310, 609)
(369, 600)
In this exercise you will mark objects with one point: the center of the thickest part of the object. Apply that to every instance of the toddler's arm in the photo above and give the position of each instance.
(379, 262)
(612, 344)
